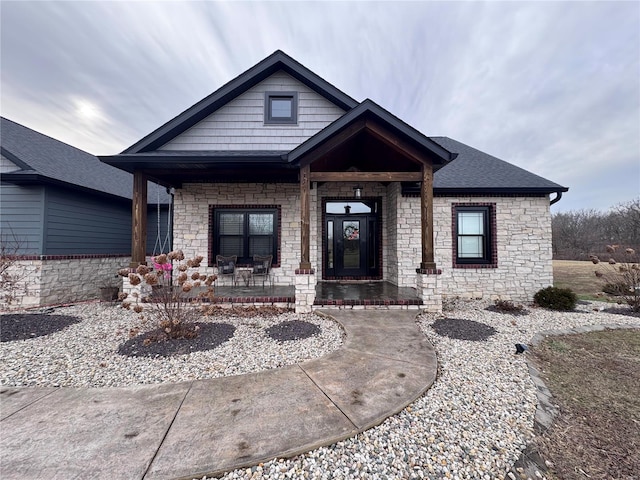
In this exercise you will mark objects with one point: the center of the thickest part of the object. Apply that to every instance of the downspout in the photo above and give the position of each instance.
(557, 199)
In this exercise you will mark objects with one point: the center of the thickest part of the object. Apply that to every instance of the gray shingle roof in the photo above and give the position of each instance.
(60, 162)
(476, 170)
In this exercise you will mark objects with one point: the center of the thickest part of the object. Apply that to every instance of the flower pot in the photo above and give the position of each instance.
(109, 294)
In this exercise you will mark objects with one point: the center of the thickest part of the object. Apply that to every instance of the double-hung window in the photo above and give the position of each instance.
(245, 233)
(281, 108)
(474, 235)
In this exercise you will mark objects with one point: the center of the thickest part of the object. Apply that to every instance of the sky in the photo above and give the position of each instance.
(553, 87)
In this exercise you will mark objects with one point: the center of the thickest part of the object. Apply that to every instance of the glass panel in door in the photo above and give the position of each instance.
(351, 242)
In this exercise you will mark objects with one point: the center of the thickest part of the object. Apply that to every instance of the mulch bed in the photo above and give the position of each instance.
(210, 336)
(461, 329)
(622, 311)
(23, 326)
(292, 330)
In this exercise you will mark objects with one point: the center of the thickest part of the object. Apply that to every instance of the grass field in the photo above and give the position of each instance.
(579, 277)
(595, 379)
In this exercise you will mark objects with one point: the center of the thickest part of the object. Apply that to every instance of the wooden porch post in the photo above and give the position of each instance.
(426, 217)
(139, 220)
(305, 223)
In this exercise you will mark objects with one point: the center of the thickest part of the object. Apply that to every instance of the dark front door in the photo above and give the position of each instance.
(351, 240)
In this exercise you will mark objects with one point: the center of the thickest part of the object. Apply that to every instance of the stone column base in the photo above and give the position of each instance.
(305, 290)
(135, 293)
(428, 288)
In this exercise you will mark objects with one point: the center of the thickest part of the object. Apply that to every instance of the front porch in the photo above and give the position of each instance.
(327, 295)
(330, 209)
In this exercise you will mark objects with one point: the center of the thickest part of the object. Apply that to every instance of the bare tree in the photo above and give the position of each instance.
(578, 234)
(12, 277)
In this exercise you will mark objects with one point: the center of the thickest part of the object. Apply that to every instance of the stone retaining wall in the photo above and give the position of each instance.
(50, 280)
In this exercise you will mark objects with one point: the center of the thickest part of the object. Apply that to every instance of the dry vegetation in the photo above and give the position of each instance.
(595, 380)
(578, 276)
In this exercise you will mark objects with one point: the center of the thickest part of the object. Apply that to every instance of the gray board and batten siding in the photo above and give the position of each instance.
(48, 220)
(22, 218)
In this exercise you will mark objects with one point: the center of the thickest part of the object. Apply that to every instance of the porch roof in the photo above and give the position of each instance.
(471, 172)
(396, 147)
(370, 111)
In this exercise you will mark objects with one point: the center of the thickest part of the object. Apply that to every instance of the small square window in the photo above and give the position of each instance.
(281, 108)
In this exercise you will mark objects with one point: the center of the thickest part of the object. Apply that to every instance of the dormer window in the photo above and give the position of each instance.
(281, 108)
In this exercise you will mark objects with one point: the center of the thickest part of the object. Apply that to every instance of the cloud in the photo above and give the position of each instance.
(552, 87)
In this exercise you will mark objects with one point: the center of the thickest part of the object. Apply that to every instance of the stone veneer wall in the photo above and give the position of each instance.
(523, 235)
(392, 259)
(191, 220)
(50, 280)
(523, 238)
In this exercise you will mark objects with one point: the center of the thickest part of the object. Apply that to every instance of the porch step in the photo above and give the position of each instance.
(258, 301)
(368, 304)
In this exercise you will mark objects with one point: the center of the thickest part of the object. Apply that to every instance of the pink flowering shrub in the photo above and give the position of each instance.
(178, 292)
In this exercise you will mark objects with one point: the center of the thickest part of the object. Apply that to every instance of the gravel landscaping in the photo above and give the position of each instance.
(103, 348)
(472, 424)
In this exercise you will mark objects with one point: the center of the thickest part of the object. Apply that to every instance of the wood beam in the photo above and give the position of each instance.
(426, 217)
(333, 143)
(397, 143)
(366, 176)
(305, 223)
(139, 219)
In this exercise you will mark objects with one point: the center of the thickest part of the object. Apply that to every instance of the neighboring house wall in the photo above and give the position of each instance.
(71, 243)
(54, 221)
(7, 165)
(239, 125)
(22, 217)
(85, 224)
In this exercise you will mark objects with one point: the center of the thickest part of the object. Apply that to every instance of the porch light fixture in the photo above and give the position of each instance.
(357, 192)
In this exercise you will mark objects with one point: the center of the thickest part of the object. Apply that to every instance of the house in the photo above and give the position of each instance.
(67, 217)
(280, 161)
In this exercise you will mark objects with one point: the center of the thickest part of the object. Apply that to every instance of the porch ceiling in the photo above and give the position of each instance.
(365, 152)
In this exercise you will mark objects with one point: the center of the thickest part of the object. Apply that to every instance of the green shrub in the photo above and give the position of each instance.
(555, 298)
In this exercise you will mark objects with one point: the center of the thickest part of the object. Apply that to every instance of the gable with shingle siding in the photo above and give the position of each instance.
(239, 125)
(7, 165)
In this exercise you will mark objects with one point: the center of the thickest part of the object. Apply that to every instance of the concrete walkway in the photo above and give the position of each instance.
(207, 427)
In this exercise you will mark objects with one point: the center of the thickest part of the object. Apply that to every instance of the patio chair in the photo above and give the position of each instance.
(227, 267)
(262, 268)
